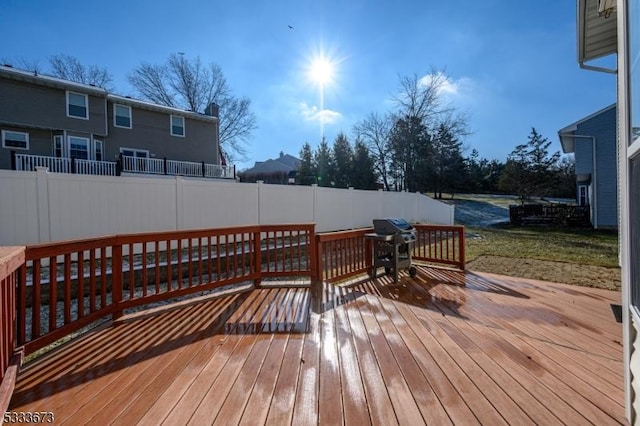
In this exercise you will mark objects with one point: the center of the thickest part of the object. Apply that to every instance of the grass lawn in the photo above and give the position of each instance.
(579, 256)
(582, 246)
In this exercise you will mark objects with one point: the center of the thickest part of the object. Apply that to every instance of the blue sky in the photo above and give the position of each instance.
(512, 64)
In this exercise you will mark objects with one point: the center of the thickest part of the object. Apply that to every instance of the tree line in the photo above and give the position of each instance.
(531, 170)
(418, 146)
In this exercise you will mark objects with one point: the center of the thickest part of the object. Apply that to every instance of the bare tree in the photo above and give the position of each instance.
(192, 85)
(375, 132)
(70, 68)
(421, 97)
(421, 112)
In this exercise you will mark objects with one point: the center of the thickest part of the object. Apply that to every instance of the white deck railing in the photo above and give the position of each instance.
(142, 165)
(184, 168)
(92, 167)
(28, 162)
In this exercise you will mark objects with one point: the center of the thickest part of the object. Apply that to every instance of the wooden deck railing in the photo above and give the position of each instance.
(68, 285)
(348, 253)
(343, 254)
(11, 263)
(65, 286)
(440, 244)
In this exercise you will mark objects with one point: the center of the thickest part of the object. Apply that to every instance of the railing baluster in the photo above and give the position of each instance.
(53, 292)
(103, 277)
(145, 274)
(157, 265)
(132, 271)
(92, 280)
(67, 288)
(36, 299)
(169, 256)
(179, 256)
(80, 285)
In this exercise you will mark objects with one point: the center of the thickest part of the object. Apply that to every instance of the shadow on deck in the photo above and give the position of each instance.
(444, 347)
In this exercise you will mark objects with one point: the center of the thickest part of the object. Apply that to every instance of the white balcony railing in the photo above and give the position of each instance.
(29, 162)
(142, 165)
(184, 168)
(129, 165)
(92, 167)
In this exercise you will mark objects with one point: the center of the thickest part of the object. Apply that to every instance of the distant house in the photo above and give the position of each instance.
(272, 170)
(593, 141)
(72, 127)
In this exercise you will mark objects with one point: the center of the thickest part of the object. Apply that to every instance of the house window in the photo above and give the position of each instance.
(78, 148)
(77, 105)
(177, 126)
(15, 140)
(98, 149)
(57, 146)
(122, 116)
(583, 195)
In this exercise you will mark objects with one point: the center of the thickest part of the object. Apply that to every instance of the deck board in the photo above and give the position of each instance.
(445, 347)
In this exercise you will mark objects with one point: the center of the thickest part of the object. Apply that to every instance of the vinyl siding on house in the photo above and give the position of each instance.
(151, 131)
(37, 105)
(605, 179)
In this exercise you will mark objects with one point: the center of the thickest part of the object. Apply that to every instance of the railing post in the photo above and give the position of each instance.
(257, 245)
(119, 165)
(13, 160)
(462, 257)
(164, 165)
(203, 175)
(116, 279)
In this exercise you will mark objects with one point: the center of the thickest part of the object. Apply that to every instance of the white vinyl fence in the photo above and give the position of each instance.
(41, 206)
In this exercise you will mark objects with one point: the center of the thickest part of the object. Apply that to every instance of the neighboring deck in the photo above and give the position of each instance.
(426, 350)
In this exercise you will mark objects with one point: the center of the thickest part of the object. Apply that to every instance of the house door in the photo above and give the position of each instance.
(134, 160)
(583, 195)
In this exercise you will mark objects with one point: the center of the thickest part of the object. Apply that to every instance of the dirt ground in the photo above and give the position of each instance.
(559, 272)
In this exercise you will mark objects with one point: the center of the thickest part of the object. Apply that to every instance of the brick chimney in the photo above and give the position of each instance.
(212, 109)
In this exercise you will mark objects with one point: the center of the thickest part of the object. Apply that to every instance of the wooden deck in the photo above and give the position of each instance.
(426, 350)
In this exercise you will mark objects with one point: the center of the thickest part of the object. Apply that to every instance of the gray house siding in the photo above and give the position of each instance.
(39, 144)
(603, 128)
(593, 141)
(151, 131)
(30, 105)
(37, 105)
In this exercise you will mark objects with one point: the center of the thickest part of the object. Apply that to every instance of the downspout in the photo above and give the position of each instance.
(594, 179)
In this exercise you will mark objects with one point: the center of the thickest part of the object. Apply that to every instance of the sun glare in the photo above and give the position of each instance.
(321, 71)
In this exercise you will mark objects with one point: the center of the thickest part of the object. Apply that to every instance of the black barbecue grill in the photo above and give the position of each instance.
(392, 243)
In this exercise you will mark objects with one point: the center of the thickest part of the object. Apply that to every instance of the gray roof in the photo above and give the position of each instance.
(285, 163)
(565, 134)
(59, 83)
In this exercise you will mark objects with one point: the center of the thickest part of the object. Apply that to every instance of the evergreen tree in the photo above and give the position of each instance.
(530, 168)
(306, 174)
(324, 165)
(363, 170)
(447, 163)
(342, 162)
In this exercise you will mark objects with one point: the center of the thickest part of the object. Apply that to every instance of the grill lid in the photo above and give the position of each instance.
(391, 225)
